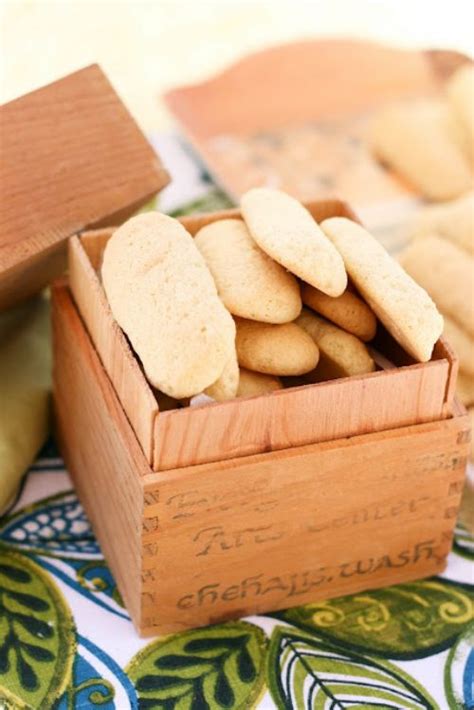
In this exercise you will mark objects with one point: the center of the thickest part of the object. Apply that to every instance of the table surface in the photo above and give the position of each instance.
(64, 633)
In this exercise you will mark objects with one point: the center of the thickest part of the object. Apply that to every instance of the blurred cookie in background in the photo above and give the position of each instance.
(421, 141)
(460, 93)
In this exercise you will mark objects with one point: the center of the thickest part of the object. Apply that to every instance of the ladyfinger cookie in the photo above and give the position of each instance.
(452, 220)
(348, 311)
(163, 296)
(252, 384)
(460, 92)
(250, 284)
(226, 386)
(287, 232)
(341, 353)
(465, 389)
(275, 349)
(447, 274)
(420, 141)
(397, 300)
(463, 345)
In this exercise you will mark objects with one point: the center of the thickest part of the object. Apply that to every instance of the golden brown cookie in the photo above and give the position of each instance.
(348, 311)
(163, 296)
(463, 345)
(452, 220)
(252, 384)
(250, 284)
(420, 141)
(341, 353)
(447, 274)
(275, 349)
(287, 232)
(397, 300)
(460, 92)
(226, 386)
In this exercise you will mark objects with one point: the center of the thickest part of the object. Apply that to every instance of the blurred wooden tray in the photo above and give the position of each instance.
(296, 116)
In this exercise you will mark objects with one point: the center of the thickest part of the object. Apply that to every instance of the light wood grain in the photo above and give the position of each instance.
(310, 517)
(300, 415)
(202, 544)
(301, 526)
(409, 394)
(72, 156)
(444, 351)
(99, 446)
(118, 359)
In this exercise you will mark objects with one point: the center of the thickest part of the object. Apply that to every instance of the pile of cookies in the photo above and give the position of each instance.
(250, 301)
(430, 142)
(441, 259)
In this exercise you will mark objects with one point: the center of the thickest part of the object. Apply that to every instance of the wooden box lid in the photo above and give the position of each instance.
(72, 157)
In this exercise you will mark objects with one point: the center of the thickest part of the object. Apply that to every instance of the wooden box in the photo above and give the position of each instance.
(228, 509)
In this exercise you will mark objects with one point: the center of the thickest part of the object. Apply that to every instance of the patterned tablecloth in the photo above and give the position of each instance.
(66, 640)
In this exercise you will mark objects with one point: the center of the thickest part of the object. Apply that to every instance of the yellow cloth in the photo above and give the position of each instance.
(25, 385)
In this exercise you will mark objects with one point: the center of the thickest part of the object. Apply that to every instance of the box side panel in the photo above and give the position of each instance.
(117, 358)
(281, 529)
(301, 415)
(99, 447)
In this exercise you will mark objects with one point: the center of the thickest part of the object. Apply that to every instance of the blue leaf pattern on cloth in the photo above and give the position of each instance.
(58, 526)
(57, 534)
(459, 672)
(97, 680)
(92, 580)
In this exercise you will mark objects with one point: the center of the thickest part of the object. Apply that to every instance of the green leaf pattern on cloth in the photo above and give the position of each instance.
(463, 541)
(37, 641)
(214, 200)
(459, 672)
(57, 528)
(403, 621)
(216, 667)
(306, 672)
